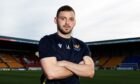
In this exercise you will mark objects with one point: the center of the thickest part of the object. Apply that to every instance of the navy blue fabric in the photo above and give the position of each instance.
(63, 49)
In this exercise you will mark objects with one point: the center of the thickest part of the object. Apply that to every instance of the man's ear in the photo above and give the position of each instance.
(55, 20)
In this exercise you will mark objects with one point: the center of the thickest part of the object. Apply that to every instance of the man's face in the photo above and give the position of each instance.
(65, 22)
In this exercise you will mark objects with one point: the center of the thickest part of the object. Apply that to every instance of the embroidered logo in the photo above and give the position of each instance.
(60, 45)
(67, 47)
(77, 47)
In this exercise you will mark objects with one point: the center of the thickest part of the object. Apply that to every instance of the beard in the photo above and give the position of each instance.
(63, 31)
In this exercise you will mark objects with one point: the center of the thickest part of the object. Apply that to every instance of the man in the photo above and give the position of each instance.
(64, 58)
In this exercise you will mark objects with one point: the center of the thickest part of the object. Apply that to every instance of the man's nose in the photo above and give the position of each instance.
(67, 21)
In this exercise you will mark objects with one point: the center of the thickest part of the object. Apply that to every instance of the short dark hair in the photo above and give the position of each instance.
(64, 8)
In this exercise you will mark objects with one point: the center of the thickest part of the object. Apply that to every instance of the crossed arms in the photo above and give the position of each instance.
(54, 69)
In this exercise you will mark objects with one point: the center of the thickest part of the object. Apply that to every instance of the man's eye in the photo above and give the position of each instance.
(72, 19)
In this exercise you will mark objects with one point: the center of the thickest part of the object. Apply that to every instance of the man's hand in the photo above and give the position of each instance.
(82, 62)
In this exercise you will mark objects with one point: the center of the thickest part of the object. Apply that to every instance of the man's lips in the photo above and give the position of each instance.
(66, 26)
